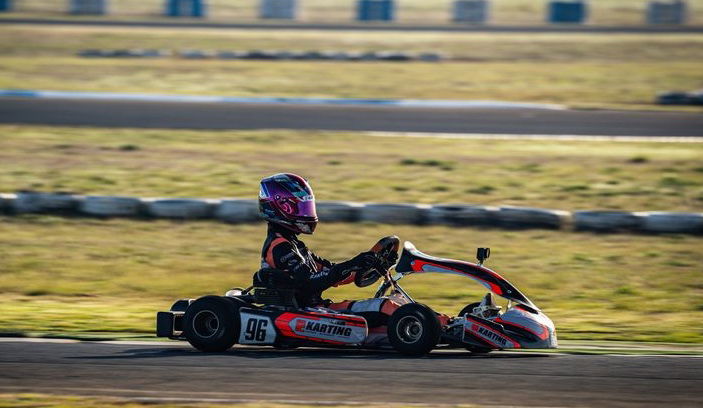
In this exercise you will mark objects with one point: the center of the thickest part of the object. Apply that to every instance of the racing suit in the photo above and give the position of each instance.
(311, 275)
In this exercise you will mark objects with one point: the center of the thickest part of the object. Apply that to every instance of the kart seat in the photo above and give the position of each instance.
(274, 287)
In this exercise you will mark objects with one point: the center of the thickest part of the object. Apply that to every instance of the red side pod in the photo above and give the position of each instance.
(329, 328)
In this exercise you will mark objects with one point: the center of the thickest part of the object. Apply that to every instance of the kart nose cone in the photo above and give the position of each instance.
(536, 328)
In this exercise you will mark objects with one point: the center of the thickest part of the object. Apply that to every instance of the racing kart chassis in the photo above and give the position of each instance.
(265, 315)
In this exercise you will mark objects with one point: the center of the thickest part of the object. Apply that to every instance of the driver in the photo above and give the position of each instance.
(287, 202)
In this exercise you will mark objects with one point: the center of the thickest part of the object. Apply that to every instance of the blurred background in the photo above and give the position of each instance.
(106, 277)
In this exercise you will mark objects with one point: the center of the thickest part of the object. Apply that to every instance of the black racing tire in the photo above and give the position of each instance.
(180, 305)
(211, 324)
(414, 329)
(468, 309)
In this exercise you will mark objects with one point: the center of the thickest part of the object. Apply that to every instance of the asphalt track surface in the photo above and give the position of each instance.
(98, 113)
(160, 371)
(557, 28)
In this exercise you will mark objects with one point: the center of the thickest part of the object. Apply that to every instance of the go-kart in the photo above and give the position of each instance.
(267, 315)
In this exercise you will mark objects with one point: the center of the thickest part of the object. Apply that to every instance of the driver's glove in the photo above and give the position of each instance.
(362, 262)
(365, 260)
(390, 260)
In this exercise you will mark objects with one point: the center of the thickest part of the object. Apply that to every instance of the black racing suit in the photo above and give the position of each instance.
(310, 274)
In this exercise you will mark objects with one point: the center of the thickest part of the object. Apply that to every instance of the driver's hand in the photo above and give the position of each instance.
(391, 259)
(365, 260)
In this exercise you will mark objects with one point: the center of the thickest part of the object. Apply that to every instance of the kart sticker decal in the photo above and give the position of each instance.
(331, 328)
(256, 329)
(489, 335)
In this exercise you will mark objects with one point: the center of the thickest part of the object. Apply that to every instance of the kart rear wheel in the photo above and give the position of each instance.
(211, 324)
(414, 329)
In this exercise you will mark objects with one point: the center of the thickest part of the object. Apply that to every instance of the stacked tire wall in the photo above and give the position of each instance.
(236, 211)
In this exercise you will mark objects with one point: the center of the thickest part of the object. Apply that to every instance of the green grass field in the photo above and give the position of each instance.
(622, 71)
(82, 277)
(75, 276)
(355, 166)
(628, 12)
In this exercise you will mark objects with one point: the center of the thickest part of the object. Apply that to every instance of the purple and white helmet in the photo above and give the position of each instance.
(287, 199)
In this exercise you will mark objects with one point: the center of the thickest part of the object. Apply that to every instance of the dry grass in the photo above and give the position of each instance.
(72, 276)
(617, 71)
(547, 174)
(65, 401)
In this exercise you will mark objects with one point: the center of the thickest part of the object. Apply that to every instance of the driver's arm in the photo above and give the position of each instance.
(286, 258)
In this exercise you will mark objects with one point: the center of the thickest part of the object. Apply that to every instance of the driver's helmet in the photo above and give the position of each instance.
(287, 199)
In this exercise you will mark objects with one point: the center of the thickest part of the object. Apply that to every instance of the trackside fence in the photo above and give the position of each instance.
(234, 210)
(669, 12)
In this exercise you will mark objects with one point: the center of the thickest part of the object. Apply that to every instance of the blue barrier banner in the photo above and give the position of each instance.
(278, 9)
(5, 5)
(661, 12)
(93, 7)
(574, 12)
(186, 8)
(470, 11)
(375, 10)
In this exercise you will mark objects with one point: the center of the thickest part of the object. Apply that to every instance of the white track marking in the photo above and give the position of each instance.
(504, 136)
(398, 103)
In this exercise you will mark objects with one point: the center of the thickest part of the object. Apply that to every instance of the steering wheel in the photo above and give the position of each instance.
(382, 250)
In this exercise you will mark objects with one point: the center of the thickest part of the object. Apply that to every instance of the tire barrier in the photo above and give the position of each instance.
(671, 12)
(470, 11)
(680, 98)
(6, 203)
(606, 221)
(180, 208)
(131, 53)
(111, 206)
(670, 222)
(524, 217)
(462, 215)
(37, 202)
(394, 213)
(238, 211)
(339, 211)
(234, 210)
(267, 55)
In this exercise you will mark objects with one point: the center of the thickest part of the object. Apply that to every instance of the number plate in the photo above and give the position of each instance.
(256, 329)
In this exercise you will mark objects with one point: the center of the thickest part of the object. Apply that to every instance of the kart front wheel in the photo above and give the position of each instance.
(414, 329)
(211, 324)
(469, 309)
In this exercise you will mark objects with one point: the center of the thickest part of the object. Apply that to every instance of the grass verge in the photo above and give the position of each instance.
(70, 276)
(581, 70)
(626, 176)
(69, 401)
